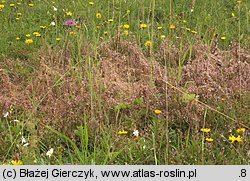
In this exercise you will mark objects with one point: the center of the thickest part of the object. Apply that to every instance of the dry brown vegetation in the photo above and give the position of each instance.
(58, 92)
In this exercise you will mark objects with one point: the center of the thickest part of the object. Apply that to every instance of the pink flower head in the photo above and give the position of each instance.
(69, 23)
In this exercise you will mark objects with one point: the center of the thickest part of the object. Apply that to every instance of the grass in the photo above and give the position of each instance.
(84, 90)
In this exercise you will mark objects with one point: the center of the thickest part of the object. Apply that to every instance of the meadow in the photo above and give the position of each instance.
(124, 82)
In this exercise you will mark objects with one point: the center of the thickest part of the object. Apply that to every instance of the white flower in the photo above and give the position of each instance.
(53, 23)
(50, 152)
(16, 121)
(136, 133)
(26, 144)
(23, 140)
(55, 9)
(5, 115)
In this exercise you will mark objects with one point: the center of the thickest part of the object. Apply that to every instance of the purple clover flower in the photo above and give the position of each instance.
(70, 23)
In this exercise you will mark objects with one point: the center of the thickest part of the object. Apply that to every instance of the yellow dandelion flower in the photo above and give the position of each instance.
(188, 29)
(110, 20)
(163, 36)
(31, 5)
(72, 33)
(142, 26)
(18, 38)
(194, 32)
(159, 27)
(28, 41)
(98, 15)
(91, 3)
(97, 27)
(122, 132)
(16, 162)
(58, 39)
(209, 140)
(126, 32)
(172, 26)
(27, 35)
(19, 3)
(157, 111)
(233, 14)
(77, 26)
(235, 139)
(223, 37)
(42, 27)
(205, 130)
(69, 13)
(126, 26)
(184, 21)
(148, 44)
(239, 139)
(17, 19)
(105, 32)
(1, 6)
(12, 5)
(241, 130)
(19, 14)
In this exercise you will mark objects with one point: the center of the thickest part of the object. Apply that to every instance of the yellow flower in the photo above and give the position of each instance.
(188, 29)
(19, 14)
(28, 41)
(31, 5)
(91, 3)
(157, 111)
(235, 139)
(126, 26)
(19, 3)
(72, 33)
(110, 20)
(1, 6)
(159, 27)
(233, 14)
(194, 32)
(17, 38)
(98, 15)
(163, 36)
(172, 26)
(184, 21)
(223, 37)
(148, 44)
(58, 39)
(239, 139)
(27, 35)
(205, 130)
(37, 34)
(125, 32)
(241, 130)
(122, 132)
(16, 162)
(209, 140)
(42, 27)
(142, 26)
(105, 32)
(77, 26)
(12, 5)
(69, 13)
(17, 19)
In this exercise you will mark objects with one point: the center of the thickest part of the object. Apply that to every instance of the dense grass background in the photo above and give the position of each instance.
(61, 60)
